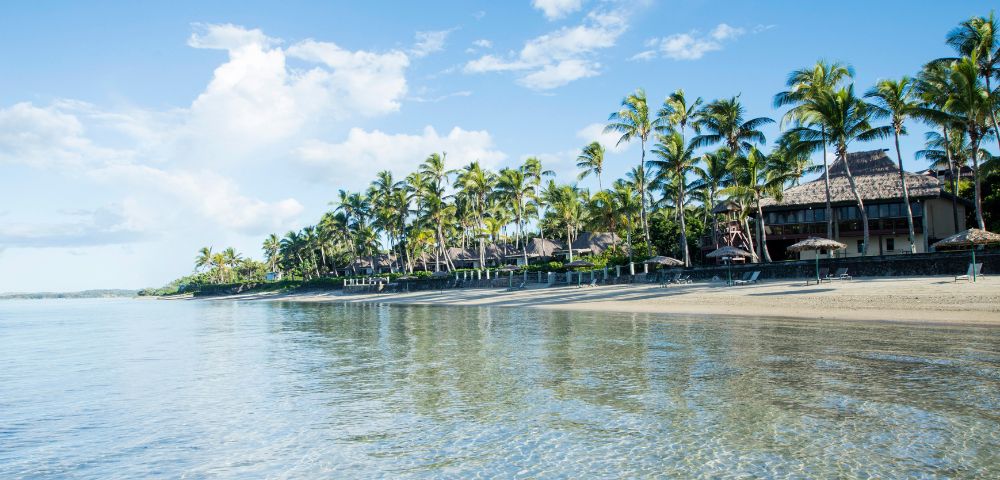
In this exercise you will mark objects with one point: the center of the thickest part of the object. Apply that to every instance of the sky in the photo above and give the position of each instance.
(134, 133)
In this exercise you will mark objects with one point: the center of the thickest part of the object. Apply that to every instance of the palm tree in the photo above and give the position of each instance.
(633, 122)
(675, 161)
(677, 113)
(514, 187)
(625, 200)
(566, 205)
(591, 160)
(272, 247)
(604, 214)
(805, 84)
(724, 121)
(476, 184)
(977, 38)
(935, 89)
(896, 101)
(436, 174)
(842, 118)
(711, 178)
(204, 258)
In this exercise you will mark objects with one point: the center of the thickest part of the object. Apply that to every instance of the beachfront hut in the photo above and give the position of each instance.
(728, 253)
(813, 244)
(972, 237)
(801, 212)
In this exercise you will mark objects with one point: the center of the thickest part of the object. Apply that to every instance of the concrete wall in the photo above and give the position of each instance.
(940, 221)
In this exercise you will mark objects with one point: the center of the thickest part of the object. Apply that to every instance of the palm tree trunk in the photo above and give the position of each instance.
(826, 183)
(642, 197)
(750, 237)
(906, 197)
(954, 178)
(684, 242)
(976, 179)
(993, 113)
(569, 241)
(763, 230)
(842, 153)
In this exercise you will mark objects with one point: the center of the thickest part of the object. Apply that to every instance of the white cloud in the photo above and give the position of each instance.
(595, 133)
(690, 46)
(555, 9)
(353, 161)
(558, 57)
(429, 42)
(106, 225)
(49, 136)
(483, 43)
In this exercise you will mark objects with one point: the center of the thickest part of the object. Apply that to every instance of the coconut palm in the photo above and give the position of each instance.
(712, 177)
(678, 114)
(566, 206)
(675, 161)
(204, 258)
(725, 122)
(436, 177)
(896, 100)
(514, 188)
(633, 122)
(805, 84)
(626, 200)
(978, 38)
(272, 249)
(591, 160)
(842, 118)
(935, 89)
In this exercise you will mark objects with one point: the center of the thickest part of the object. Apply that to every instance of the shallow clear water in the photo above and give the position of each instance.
(127, 389)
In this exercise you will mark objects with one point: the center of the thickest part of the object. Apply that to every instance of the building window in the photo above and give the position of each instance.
(890, 244)
(894, 210)
(861, 246)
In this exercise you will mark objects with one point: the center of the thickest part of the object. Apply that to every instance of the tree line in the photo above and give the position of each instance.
(692, 154)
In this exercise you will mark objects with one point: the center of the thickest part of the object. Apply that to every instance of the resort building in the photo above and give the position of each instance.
(801, 213)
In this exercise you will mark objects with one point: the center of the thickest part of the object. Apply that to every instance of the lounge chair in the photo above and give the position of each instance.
(968, 274)
(593, 283)
(754, 278)
(682, 279)
(665, 281)
(519, 287)
(841, 274)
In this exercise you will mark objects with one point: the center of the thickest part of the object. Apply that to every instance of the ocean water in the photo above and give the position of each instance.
(157, 389)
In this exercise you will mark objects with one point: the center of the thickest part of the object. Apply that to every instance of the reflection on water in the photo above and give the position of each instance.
(102, 389)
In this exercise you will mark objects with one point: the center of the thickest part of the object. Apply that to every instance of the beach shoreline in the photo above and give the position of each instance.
(924, 300)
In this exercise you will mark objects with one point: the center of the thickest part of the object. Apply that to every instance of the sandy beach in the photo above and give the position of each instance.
(936, 300)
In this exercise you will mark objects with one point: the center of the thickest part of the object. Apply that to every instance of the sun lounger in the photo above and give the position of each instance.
(754, 278)
(968, 274)
(682, 279)
(519, 287)
(668, 280)
(840, 275)
(593, 283)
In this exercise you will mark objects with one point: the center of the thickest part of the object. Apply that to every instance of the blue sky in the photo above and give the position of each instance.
(131, 134)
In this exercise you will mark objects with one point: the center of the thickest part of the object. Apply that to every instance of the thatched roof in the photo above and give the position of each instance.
(596, 242)
(667, 261)
(816, 243)
(538, 247)
(729, 251)
(972, 236)
(876, 176)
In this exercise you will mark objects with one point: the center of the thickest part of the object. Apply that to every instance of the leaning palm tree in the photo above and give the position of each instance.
(591, 160)
(842, 118)
(807, 83)
(896, 100)
(633, 122)
(675, 161)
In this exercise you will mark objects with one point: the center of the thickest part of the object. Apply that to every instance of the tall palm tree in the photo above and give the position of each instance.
(515, 189)
(896, 100)
(633, 122)
(475, 184)
(675, 161)
(725, 122)
(678, 114)
(437, 177)
(935, 89)
(972, 103)
(626, 200)
(567, 207)
(978, 38)
(756, 177)
(712, 177)
(204, 258)
(591, 160)
(842, 118)
(807, 83)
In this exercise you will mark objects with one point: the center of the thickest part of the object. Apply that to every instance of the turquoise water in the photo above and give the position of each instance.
(129, 389)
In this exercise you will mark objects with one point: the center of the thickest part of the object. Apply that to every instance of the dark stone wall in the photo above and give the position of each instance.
(920, 264)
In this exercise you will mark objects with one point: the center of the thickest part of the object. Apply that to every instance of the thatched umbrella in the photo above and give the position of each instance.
(665, 261)
(816, 243)
(727, 253)
(969, 238)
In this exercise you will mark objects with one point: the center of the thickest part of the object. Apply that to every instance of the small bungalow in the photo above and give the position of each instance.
(801, 213)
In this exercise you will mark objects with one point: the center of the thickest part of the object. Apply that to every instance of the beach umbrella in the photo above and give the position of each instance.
(665, 261)
(727, 253)
(816, 243)
(969, 238)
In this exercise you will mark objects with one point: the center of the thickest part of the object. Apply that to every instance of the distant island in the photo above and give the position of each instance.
(105, 293)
